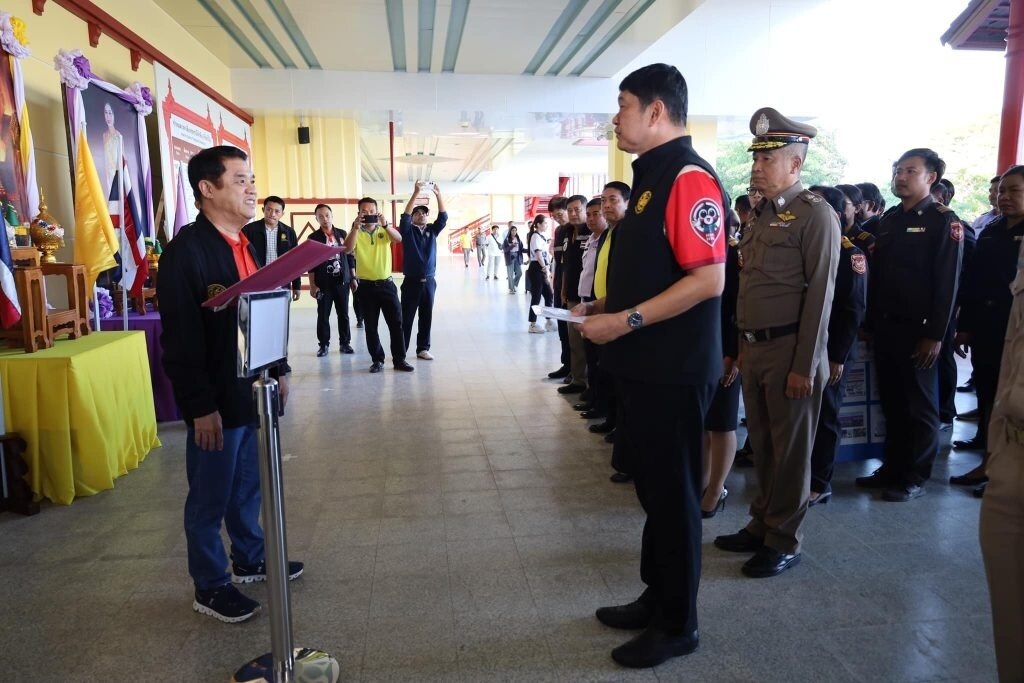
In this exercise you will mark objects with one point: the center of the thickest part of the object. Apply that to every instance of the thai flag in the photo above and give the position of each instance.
(10, 310)
(124, 214)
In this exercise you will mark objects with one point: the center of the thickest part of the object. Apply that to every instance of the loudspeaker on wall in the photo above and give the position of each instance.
(303, 135)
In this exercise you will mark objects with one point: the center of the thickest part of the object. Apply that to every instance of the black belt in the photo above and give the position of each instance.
(769, 333)
(586, 299)
(374, 282)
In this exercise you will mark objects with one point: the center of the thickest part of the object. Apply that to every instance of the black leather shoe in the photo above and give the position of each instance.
(321, 352)
(377, 367)
(582, 405)
(967, 386)
(567, 379)
(945, 424)
(602, 428)
(768, 562)
(974, 444)
(559, 373)
(740, 542)
(359, 324)
(979, 491)
(403, 366)
(902, 494)
(587, 395)
(345, 348)
(875, 480)
(592, 414)
(571, 389)
(969, 416)
(964, 480)
(620, 478)
(823, 498)
(653, 647)
(629, 617)
(610, 437)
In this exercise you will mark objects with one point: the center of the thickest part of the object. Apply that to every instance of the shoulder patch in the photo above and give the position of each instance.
(858, 263)
(956, 231)
(847, 244)
(865, 236)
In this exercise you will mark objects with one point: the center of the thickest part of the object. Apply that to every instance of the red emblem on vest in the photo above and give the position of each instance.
(956, 231)
(858, 263)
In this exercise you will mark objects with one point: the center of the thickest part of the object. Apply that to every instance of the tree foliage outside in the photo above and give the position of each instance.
(825, 164)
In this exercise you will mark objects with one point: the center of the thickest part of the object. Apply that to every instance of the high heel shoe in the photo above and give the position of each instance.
(719, 506)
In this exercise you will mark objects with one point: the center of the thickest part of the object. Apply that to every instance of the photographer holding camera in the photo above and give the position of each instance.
(329, 284)
(419, 265)
(370, 242)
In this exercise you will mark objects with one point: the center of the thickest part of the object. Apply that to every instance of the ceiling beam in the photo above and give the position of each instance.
(623, 24)
(396, 33)
(291, 27)
(246, 9)
(557, 32)
(425, 47)
(453, 40)
(234, 32)
(585, 34)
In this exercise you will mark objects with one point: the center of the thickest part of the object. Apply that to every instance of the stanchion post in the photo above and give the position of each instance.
(265, 394)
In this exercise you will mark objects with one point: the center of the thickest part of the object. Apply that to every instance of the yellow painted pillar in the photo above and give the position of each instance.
(704, 131)
(620, 164)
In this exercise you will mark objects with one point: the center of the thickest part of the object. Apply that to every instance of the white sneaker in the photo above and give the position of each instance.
(551, 325)
(424, 355)
(536, 329)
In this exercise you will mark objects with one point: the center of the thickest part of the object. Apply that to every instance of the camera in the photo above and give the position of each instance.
(371, 218)
(428, 185)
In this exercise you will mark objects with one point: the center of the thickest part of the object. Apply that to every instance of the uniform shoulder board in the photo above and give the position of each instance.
(847, 244)
(891, 210)
(809, 197)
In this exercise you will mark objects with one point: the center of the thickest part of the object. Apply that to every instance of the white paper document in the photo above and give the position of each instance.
(558, 314)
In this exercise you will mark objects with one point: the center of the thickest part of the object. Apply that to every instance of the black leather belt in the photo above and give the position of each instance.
(374, 282)
(769, 333)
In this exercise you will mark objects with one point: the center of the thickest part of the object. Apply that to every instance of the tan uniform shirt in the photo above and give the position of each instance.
(1009, 403)
(789, 256)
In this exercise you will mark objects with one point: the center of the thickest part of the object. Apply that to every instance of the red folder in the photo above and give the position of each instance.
(294, 263)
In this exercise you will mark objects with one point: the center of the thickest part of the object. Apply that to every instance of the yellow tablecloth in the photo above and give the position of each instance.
(85, 407)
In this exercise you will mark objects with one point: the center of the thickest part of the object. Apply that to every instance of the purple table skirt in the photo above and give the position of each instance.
(163, 395)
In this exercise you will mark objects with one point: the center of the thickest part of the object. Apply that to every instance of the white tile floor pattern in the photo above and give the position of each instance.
(457, 524)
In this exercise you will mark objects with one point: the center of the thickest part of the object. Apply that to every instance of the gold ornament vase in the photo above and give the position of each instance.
(47, 235)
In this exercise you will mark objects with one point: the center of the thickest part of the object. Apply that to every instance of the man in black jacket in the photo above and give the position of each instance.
(271, 238)
(330, 282)
(200, 348)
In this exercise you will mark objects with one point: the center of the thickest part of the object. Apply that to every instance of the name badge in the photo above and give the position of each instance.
(916, 229)
(779, 224)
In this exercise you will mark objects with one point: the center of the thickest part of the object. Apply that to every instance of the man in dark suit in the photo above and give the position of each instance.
(271, 238)
(329, 284)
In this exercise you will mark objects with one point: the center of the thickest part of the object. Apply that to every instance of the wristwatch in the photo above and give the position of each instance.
(634, 320)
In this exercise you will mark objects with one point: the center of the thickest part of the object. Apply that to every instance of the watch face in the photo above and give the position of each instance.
(635, 320)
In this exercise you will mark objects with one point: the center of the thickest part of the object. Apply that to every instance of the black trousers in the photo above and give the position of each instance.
(947, 377)
(333, 294)
(381, 296)
(563, 327)
(663, 428)
(910, 403)
(986, 382)
(827, 436)
(418, 295)
(539, 287)
(357, 305)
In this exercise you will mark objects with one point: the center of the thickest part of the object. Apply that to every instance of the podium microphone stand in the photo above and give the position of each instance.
(263, 343)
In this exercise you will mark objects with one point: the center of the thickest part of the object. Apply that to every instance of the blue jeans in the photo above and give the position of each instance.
(223, 487)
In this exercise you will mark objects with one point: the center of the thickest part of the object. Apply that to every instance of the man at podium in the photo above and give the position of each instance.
(199, 357)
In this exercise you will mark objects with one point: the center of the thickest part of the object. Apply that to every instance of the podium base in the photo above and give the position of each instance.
(311, 666)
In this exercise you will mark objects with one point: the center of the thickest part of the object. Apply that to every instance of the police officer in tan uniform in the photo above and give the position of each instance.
(789, 258)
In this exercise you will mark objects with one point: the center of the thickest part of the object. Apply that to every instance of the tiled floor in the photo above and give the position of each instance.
(457, 524)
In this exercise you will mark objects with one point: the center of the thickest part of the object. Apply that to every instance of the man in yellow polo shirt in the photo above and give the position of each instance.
(370, 240)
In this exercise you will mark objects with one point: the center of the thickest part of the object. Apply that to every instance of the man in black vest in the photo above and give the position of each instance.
(271, 238)
(660, 321)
